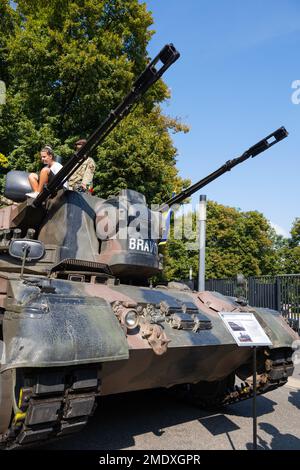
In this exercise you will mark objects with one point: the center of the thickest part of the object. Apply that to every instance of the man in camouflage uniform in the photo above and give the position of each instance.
(82, 179)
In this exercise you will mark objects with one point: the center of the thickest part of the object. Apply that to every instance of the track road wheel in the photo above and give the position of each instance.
(206, 395)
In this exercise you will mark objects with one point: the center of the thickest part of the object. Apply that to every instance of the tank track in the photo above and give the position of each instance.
(277, 368)
(275, 377)
(52, 403)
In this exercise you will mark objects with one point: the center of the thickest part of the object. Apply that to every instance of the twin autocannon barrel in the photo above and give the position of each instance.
(253, 151)
(155, 69)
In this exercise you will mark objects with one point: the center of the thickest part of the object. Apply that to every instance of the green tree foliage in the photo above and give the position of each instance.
(289, 252)
(68, 63)
(3, 161)
(149, 167)
(7, 25)
(295, 233)
(237, 242)
(290, 260)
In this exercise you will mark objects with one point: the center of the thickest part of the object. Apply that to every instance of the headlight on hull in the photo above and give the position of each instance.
(131, 319)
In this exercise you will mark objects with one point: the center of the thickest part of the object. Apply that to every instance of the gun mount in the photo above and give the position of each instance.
(167, 56)
(121, 231)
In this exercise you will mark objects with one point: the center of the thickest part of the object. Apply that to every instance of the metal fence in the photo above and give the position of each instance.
(280, 293)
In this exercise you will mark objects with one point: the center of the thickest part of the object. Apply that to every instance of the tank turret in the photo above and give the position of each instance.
(121, 231)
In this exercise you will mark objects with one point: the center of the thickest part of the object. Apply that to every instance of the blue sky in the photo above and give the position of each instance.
(233, 86)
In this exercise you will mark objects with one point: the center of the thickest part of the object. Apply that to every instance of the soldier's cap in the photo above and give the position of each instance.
(81, 142)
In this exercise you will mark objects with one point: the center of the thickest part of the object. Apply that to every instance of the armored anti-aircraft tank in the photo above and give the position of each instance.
(78, 320)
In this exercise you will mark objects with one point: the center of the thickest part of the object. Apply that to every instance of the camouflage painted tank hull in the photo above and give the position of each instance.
(65, 343)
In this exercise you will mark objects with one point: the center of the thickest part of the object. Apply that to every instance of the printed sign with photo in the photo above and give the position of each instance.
(245, 329)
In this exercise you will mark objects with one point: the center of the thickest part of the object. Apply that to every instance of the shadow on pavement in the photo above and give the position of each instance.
(119, 418)
(244, 408)
(219, 424)
(279, 441)
(294, 398)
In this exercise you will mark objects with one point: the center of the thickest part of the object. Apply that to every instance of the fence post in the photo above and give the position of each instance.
(250, 291)
(202, 242)
(278, 294)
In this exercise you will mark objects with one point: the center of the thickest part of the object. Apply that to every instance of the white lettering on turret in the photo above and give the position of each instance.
(147, 246)
(132, 244)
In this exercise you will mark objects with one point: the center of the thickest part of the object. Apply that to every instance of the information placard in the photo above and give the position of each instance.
(245, 329)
